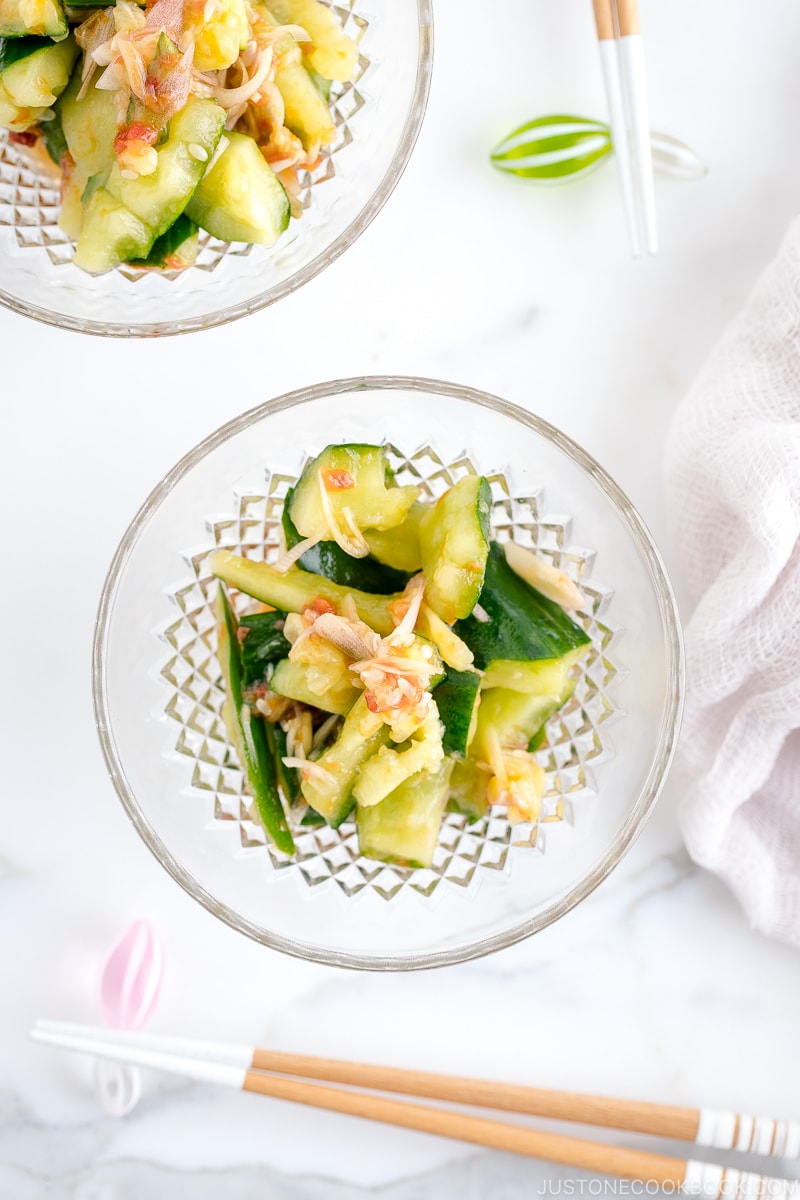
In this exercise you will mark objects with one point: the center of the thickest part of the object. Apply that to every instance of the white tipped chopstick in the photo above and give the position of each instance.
(622, 60)
(245, 1067)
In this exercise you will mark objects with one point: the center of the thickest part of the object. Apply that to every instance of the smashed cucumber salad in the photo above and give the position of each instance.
(400, 662)
(173, 116)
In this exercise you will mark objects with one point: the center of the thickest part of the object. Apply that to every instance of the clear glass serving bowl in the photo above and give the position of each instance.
(377, 116)
(158, 696)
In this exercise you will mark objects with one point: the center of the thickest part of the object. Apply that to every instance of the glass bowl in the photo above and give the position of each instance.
(157, 683)
(377, 117)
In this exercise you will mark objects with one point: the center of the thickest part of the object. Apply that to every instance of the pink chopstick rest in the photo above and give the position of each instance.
(132, 977)
(129, 989)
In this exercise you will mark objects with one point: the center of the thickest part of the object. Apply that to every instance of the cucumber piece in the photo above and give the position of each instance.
(454, 540)
(404, 828)
(263, 645)
(457, 698)
(322, 84)
(14, 50)
(306, 112)
(43, 18)
(312, 818)
(331, 795)
(110, 234)
(424, 649)
(388, 768)
(399, 547)
(469, 790)
(323, 671)
(454, 652)
(222, 33)
(544, 677)
(286, 778)
(17, 118)
(174, 250)
(523, 624)
(328, 559)
(73, 183)
(54, 141)
(507, 723)
(332, 53)
(356, 478)
(35, 71)
(294, 590)
(159, 199)
(290, 679)
(241, 198)
(249, 732)
(515, 718)
(90, 125)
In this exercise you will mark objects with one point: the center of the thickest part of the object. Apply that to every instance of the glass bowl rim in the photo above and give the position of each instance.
(667, 735)
(223, 316)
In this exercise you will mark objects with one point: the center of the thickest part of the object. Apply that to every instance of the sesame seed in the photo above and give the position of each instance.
(197, 152)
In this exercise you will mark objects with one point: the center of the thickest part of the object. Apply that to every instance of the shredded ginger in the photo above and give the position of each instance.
(147, 58)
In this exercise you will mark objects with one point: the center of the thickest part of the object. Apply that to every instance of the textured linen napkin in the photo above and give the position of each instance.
(733, 489)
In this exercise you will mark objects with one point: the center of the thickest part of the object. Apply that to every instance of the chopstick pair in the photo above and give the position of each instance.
(622, 60)
(250, 1068)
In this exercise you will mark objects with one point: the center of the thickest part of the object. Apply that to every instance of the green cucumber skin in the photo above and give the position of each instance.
(54, 141)
(89, 125)
(516, 718)
(339, 815)
(484, 507)
(454, 544)
(322, 84)
(468, 791)
(240, 199)
(12, 25)
(455, 698)
(155, 201)
(266, 796)
(346, 756)
(328, 559)
(286, 777)
(404, 827)
(374, 501)
(14, 49)
(254, 751)
(293, 590)
(34, 71)
(523, 624)
(290, 679)
(263, 646)
(538, 738)
(167, 246)
(312, 819)
(110, 232)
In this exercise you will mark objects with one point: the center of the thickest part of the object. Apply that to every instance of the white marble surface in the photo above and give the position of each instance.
(655, 987)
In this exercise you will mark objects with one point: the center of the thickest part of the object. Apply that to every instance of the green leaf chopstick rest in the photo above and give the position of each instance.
(562, 147)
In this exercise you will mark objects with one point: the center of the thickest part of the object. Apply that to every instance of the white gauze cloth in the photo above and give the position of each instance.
(733, 489)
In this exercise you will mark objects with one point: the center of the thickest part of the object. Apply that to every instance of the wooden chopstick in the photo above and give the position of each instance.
(627, 17)
(631, 1115)
(722, 1129)
(245, 1066)
(480, 1131)
(622, 60)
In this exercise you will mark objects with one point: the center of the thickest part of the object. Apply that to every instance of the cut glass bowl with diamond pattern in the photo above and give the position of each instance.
(377, 116)
(158, 692)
